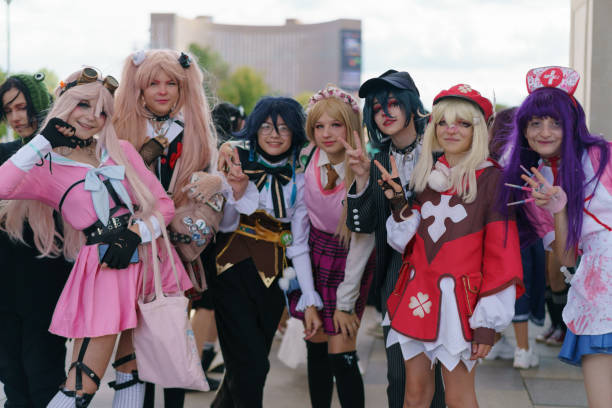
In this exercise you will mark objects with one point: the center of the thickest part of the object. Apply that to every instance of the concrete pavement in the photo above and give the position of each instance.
(551, 385)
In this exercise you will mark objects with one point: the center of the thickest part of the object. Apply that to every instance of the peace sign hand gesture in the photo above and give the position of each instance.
(390, 183)
(357, 160)
(392, 188)
(229, 163)
(547, 196)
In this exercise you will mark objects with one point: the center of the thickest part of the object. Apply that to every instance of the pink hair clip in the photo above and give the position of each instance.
(333, 92)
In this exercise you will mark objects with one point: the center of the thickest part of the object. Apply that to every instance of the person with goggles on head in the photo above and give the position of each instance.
(112, 209)
(33, 360)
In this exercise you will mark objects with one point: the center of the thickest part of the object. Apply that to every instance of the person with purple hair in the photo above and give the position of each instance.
(551, 125)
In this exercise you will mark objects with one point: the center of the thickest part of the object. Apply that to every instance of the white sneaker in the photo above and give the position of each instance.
(525, 358)
(502, 350)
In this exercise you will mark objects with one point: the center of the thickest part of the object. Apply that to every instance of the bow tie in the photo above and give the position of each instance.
(281, 175)
(99, 193)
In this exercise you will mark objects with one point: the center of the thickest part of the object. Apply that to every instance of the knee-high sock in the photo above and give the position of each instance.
(320, 377)
(559, 300)
(174, 397)
(551, 307)
(131, 396)
(348, 379)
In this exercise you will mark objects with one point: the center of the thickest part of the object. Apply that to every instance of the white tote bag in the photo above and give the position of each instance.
(166, 352)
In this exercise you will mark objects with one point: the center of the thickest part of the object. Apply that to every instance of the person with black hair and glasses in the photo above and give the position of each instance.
(266, 228)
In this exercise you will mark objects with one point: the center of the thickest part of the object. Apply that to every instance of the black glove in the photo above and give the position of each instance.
(121, 249)
(151, 150)
(56, 138)
(398, 202)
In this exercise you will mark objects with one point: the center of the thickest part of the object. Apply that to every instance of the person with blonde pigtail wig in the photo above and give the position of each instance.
(113, 209)
(161, 109)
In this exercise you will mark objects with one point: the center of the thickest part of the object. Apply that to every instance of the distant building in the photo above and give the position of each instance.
(292, 58)
(591, 56)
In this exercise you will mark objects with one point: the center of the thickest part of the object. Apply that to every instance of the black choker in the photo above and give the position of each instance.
(160, 118)
(405, 150)
(84, 143)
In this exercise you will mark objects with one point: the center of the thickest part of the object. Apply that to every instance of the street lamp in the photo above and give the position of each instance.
(8, 37)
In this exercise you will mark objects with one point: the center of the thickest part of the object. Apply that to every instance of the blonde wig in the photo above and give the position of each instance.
(343, 112)
(131, 114)
(39, 215)
(463, 175)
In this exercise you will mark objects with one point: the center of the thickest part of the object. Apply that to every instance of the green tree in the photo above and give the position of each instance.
(244, 87)
(303, 98)
(215, 68)
(51, 80)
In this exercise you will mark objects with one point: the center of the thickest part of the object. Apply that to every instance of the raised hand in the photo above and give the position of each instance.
(229, 163)
(357, 160)
(390, 183)
(547, 196)
(60, 133)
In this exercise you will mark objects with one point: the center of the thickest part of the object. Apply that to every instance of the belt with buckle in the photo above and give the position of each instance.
(99, 232)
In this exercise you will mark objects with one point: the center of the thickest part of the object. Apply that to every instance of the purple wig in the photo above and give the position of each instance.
(577, 140)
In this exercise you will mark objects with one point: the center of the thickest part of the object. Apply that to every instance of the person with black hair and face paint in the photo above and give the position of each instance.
(266, 229)
(395, 119)
(32, 360)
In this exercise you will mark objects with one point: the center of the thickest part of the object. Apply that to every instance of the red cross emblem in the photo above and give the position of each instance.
(551, 77)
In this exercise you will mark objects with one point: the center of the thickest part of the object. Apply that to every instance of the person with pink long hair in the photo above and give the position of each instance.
(161, 109)
(106, 195)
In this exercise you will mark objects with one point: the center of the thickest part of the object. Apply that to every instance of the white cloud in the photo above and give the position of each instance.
(489, 44)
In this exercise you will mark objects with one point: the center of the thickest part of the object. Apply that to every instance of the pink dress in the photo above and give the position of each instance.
(95, 301)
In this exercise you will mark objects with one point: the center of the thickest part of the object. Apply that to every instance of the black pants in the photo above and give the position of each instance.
(247, 315)
(32, 360)
(173, 397)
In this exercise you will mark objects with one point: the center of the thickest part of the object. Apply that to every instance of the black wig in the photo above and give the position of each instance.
(409, 102)
(273, 107)
(35, 119)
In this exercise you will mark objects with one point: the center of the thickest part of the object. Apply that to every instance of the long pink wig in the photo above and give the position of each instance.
(130, 120)
(39, 215)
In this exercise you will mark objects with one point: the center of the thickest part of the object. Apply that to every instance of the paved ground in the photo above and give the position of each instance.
(498, 385)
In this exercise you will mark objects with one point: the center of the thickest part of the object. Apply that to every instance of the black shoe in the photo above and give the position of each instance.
(208, 356)
(212, 383)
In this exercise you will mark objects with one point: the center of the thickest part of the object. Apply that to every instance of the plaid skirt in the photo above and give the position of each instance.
(328, 258)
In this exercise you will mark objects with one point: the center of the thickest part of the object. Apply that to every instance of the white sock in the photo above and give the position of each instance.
(130, 397)
(61, 400)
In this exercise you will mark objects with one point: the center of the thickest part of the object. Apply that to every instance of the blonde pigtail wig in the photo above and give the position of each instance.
(130, 120)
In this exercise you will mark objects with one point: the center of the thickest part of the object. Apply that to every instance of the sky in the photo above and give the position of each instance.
(489, 44)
